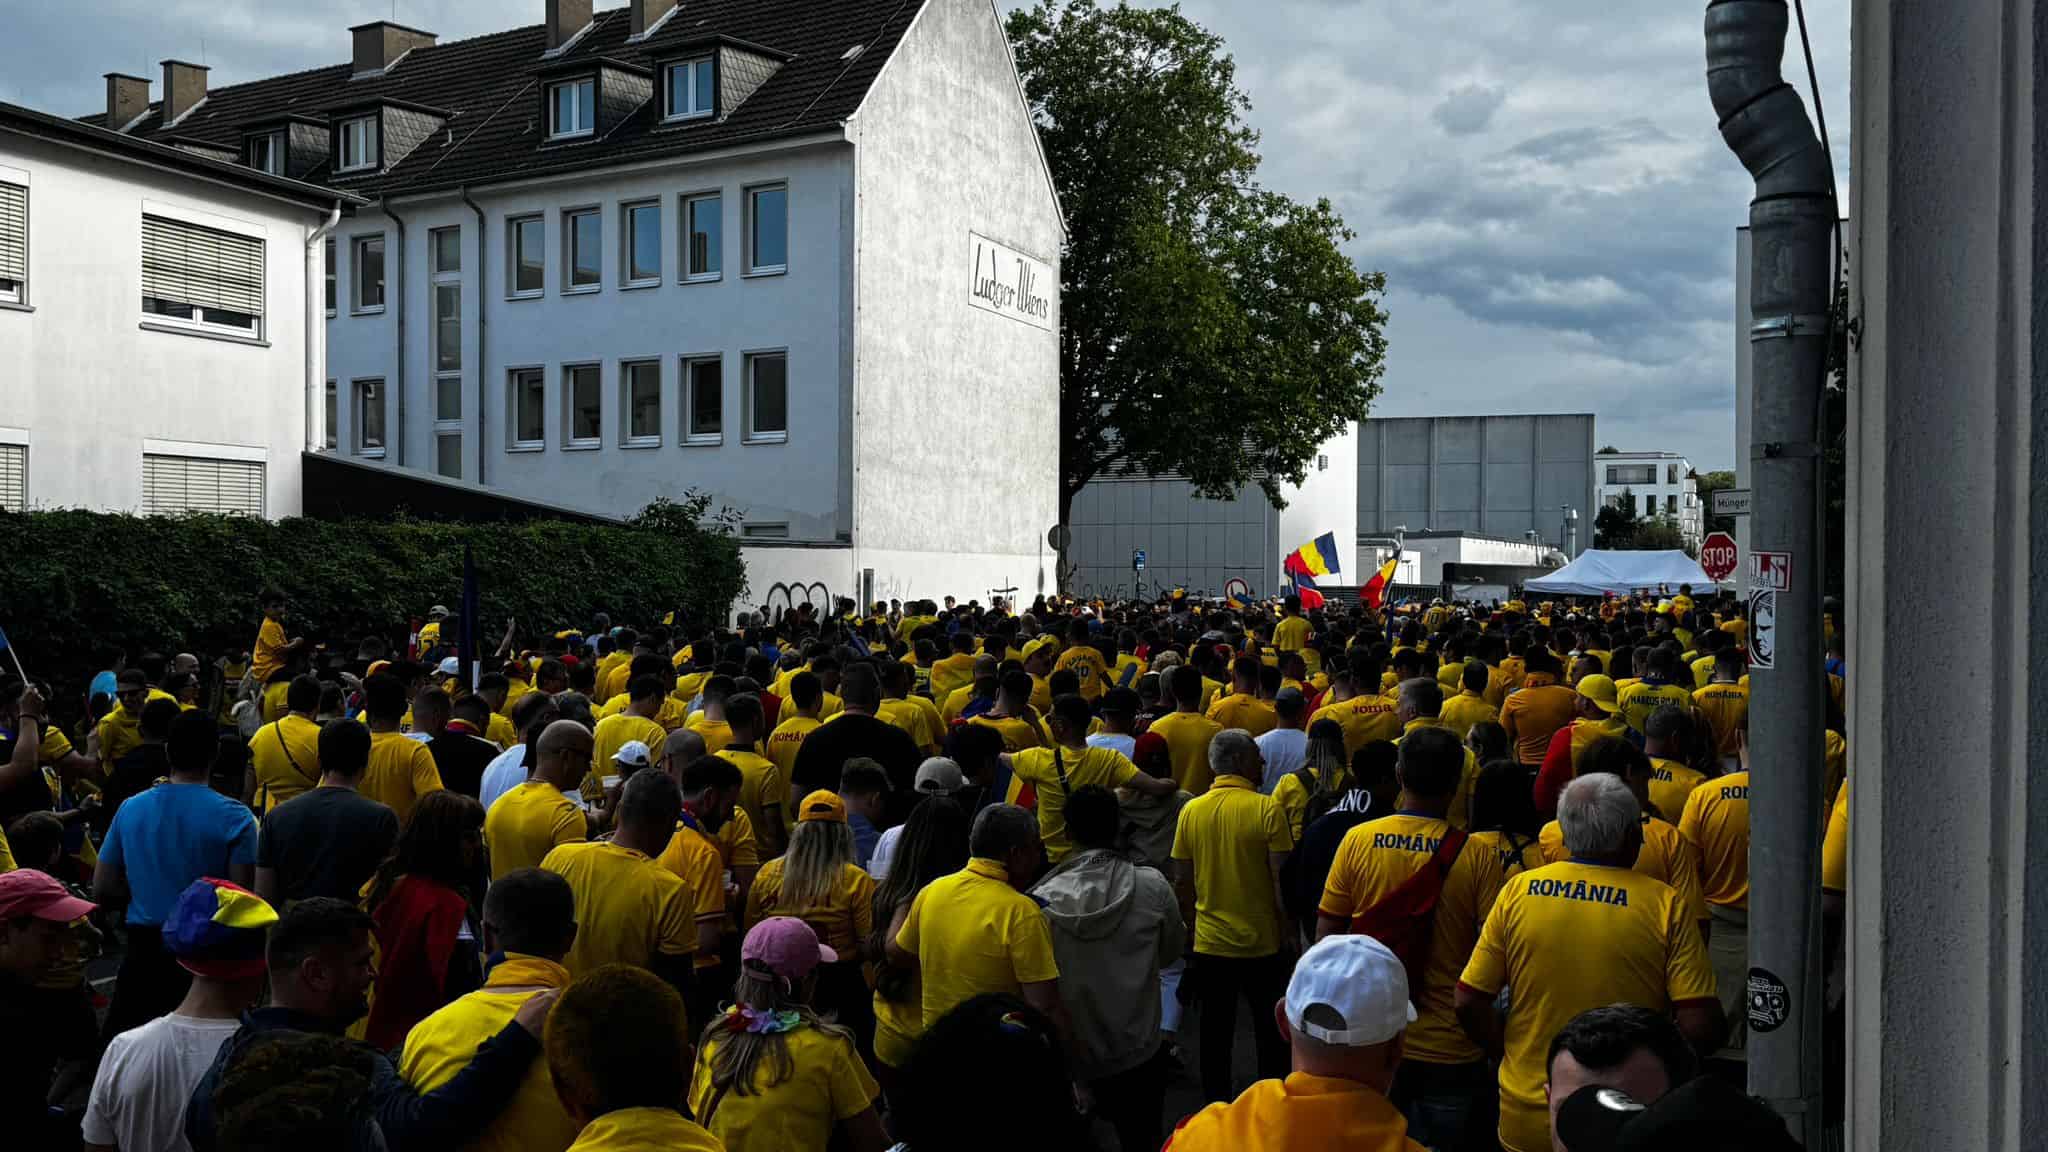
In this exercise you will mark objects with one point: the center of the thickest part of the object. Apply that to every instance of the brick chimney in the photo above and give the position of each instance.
(184, 87)
(648, 13)
(380, 43)
(565, 19)
(127, 98)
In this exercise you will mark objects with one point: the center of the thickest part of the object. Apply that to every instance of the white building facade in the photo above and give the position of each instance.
(1658, 485)
(155, 335)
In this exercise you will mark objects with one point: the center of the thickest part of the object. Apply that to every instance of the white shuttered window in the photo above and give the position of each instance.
(174, 484)
(201, 277)
(13, 243)
(13, 477)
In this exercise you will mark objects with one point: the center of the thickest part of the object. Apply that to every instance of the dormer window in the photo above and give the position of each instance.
(266, 152)
(572, 109)
(358, 148)
(692, 90)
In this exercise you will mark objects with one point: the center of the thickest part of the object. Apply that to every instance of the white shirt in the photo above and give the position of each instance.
(146, 1078)
(885, 851)
(1284, 749)
(505, 772)
(1121, 742)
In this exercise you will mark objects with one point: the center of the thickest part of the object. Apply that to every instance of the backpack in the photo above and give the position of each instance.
(1318, 804)
(1404, 919)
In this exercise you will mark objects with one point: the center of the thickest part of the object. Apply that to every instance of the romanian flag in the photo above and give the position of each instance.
(1374, 593)
(1309, 561)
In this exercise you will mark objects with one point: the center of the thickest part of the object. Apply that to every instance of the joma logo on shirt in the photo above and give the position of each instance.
(1613, 894)
(1404, 843)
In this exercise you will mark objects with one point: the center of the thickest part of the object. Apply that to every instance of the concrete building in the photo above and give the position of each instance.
(160, 333)
(761, 251)
(1660, 485)
(1501, 476)
(1479, 567)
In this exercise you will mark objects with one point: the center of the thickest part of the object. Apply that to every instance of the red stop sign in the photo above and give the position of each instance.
(1717, 556)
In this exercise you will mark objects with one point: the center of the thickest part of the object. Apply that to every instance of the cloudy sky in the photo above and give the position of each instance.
(1540, 179)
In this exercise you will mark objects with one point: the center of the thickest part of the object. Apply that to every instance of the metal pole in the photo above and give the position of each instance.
(1791, 227)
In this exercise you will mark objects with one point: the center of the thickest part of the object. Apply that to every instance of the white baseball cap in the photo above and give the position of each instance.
(633, 754)
(1359, 979)
(450, 666)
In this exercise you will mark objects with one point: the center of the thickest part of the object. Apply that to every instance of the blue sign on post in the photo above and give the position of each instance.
(1137, 559)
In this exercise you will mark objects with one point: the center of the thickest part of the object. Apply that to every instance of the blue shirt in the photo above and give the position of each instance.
(865, 837)
(167, 837)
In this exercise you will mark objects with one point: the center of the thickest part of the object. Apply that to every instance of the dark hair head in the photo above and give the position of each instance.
(35, 838)
(1474, 676)
(1488, 741)
(1120, 702)
(1001, 829)
(311, 926)
(1605, 1037)
(432, 844)
(1093, 817)
(1185, 683)
(1431, 761)
(1615, 756)
(989, 1039)
(710, 773)
(157, 717)
(344, 748)
(1425, 694)
(650, 803)
(191, 741)
(297, 1092)
(861, 776)
(860, 688)
(473, 709)
(1072, 712)
(805, 691)
(1502, 800)
(531, 911)
(644, 687)
(384, 698)
(1063, 682)
(618, 1038)
(303, 694)
(743, 712)
(1668, 723)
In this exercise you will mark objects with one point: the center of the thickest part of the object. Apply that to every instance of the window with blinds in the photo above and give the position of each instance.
(13, 243)
(201, 277)
(175, 484)
(13, 477)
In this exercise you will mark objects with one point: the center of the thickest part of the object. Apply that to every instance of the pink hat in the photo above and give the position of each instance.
(787, 947)
(28, 892)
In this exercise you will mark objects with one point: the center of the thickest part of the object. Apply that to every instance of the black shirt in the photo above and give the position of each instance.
(26, 795)
(326, 842)
(461, 759)
(829, 746)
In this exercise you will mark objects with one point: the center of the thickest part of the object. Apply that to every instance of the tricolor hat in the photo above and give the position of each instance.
(217, 929)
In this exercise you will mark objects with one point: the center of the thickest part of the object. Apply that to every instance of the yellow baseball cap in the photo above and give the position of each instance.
(825, 804)
(1035, 646)
(1600, 690)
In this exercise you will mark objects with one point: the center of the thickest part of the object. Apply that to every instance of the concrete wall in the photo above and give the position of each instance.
(955, 409)
(800, 482)
(1188, 541)
(84, 386)
(1500, 475)
(1436, 551)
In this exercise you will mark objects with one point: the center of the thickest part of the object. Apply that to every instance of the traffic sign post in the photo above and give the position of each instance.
(1731, 502)
(1137, 559)
(1717, 556)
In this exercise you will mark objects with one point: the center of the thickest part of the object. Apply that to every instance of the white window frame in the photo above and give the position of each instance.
(186, 457)
(446, 279)
(570, 441)
(358, 405)
(691, 437)
(333, 257)
(515, 376)
(627, 229)
(687, 230)
(18, 295)
(670, 113)
(15, 444)
(583, 106)
(356, 244)
(765, 530)
(569, 218)
(366, 158)
(626, 437)
(751, 196)
(748, 361)
(275, 143)
(512, 251)
(203, 319)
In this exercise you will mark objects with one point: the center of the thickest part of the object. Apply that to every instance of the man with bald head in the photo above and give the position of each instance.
(530, 820)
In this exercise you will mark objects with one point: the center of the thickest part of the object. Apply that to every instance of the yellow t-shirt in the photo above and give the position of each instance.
(1017, 732)
(762, 787)
(689, 684)
(1292, 796)
(120, 733)
(615, 732)
(444, 1043)
(1716, 824)
(1526, 856)
(1702, 671)
(1639, 700)
(629, 908)
(901, 713)
(1461, 800)
(1670, 784)
(611, 674)
(716, 733)
(698, 860)
(842, 922)
(827, 1083)
(401, 771)
(286, 759)
(974, 934)
(736, 841)
(1726, 707)
(957, 701)
(1364, 720)
(268, 655)
(1211, 689)
(952, 673)
(787, 740)
(1738, 628)
(670, 717)
(1666, 857)
(1291, 634)
(527, 823)
(642, 1130)
(1229, 833)
(1462, 711)
(1126, 672)
(1187, 737)
(1041, 694)
(1834, 850)
(1101, 767)
(1379, 856)
(1088, 667)
(1834, 764)
(1241, 710)
(500, 731)
(1568, 937)
(1300, 1111)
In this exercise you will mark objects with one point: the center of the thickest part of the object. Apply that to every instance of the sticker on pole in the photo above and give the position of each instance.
(1763, 628)
(1771, 570)
(1770, 1002)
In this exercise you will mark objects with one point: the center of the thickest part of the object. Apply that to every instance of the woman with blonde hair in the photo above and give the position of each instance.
(818, 882)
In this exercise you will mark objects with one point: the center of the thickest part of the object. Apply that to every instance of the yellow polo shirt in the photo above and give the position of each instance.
(899, 712)
(1716, 824)
(1666, 857)
(642, 1129)
(698, 860)
(1291, 634)
(1017, 732)
(1089, 669)
(444, 1043)
(120, 733)
(1301, 1111)
(787, 740)
(629, 908)
(285, 756)
(1364, 720)
(1126, 672)
(401, 771)
(1568, 937)
(825, 1083)
(670, 716)
(736, 841)
(1670, 784)
(957, 702)
(1101, 767)
(1242, 710)
(1640, 699)
(1229, 833)
(1187, 737)
(1726, 707)
(527, 823)
(952, 673)
(973, 934)
(842, 921)
(762, 786)
(1379, 856)
(1467, 708)
(716, 733)
(1461, 800)
(615, 732)
(689, 684)
(268, 655)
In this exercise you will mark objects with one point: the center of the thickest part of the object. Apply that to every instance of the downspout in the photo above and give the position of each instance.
(1792, 223)
(315, 338)
(397, 262)
(482, 301)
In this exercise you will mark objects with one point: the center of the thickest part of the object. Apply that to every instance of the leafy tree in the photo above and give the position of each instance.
(1211, 328)
(1710, 483)
(1614, 526)
(1659, 535)
(1608, 450)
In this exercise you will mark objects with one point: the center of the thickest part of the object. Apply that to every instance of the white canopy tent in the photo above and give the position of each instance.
(1596, 573)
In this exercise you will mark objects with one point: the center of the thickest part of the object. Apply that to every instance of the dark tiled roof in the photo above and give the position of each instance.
(491, 84)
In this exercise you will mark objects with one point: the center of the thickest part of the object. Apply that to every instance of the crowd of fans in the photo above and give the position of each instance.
(946, 876)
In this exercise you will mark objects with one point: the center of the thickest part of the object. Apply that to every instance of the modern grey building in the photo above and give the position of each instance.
(1188, 542)
(1502, 476)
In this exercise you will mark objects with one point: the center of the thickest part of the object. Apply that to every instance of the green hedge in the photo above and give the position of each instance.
(72, 582)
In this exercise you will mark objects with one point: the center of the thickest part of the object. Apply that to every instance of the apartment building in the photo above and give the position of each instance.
(801, 257)
(1659, 485)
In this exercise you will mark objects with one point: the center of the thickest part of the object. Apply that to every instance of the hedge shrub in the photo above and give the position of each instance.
(72, 582)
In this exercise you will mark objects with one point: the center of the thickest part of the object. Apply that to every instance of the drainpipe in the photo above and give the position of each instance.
(1792, 221)
(396, 262)
(482, 302)
(316, 331)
